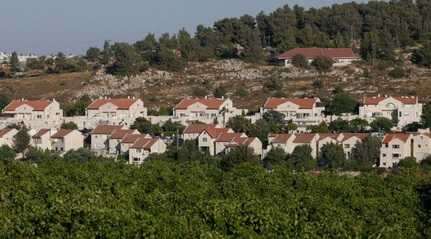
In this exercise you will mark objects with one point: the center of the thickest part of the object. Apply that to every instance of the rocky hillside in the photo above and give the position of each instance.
(247, 84)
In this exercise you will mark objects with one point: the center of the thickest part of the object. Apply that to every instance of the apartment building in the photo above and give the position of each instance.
(143, 148)
(303, 112)
(34, 114)
(206, 110)
(42, 139)
(107, 111)
(65, 140)
(404, 109)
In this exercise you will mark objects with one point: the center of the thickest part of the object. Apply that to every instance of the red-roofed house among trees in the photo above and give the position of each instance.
(340, 56)
(206, 110)
(115, 111)
(304, 112)
(406, 109)
(35, 114)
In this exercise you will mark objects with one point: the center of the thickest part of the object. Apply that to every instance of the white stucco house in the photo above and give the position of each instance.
(143, 148)
(7, 137)
(395, 147)
(34, 114)
(303, 112)
(107, 111)
(193, 130)
(406, 109)
(65, 140)
(101, 135)
(206, 110)
(42, 139)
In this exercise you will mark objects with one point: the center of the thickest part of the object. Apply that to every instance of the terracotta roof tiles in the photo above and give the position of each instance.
(122, 104)
(37, 105)
(210, 103)
(305, 103)
(62, 133)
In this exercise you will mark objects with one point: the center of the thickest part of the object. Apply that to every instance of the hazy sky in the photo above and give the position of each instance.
(71, 26)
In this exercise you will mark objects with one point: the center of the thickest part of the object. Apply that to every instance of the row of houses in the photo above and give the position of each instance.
(114, 141)
(38, 114)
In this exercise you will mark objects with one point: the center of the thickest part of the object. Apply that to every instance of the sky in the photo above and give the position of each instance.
(72, 26)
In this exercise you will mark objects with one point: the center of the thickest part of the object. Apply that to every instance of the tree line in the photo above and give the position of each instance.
(189, 194)
(377, 28)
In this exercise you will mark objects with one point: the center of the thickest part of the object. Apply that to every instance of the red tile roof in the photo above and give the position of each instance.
(408, 100)
(215, 132)
(306, 103)
(210, 103)
(197, 128)
(4, 131)
(401, 136)
(122, 104)
(131, 138)
(228, 137)
(61, 133)
(328, 135)
(347, 136)
(105, 129)
(244, 141)
(281, 138)
(37, 105)
(121, 133)
(40, 133)
(304, 138)
(143, 143)
(312, 53)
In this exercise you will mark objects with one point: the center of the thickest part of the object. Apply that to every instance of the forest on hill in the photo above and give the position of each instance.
(376, 30)
(193, 196)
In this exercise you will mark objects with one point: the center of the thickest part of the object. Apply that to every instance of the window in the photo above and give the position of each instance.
(395, 156)
(386, 145)
(39, 116)
(384, 155)
(396, 146)
(347, 146)
(204, 140)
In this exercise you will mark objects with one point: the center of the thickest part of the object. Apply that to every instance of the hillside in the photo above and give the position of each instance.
(248, 84)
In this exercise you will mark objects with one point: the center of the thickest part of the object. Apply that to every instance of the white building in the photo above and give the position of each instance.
(42, 139)
(395, 147)
(114, 112)
(193, 130)
(406, 109)
(340, 56)
(34, 114)
(303, 112)
(7, 137)
(206, 110)
(101, 135)
(66, 139)
(288, 142)
(206, 140)
(143, 148)
(116, 137)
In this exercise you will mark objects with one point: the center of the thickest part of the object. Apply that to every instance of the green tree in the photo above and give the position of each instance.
(7, 153)
(302, 159)
(381, 124)
(14, 63)
(422, 57)
(106, 53)
(320, 128)
(276, 156)
(4, 101)
(144, 126)
(322, 64)
(339, 125)
(78, 107)
(220, 92)
(127, 61)
(93, 54)
(358, 125)
(239, 124)
(300, 61)
(22, 140)
(172, 128)
(238, 156)
(366, 154)
(69, 125)
(426, 116)
(331, 156)
(342, 102)
(409, 162)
